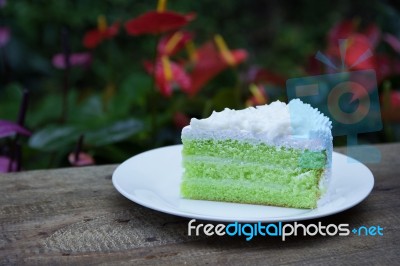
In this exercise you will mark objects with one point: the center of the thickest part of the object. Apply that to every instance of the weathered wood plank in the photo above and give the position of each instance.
(75, 216)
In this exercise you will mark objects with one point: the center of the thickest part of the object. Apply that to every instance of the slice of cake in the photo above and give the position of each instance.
(277, 154)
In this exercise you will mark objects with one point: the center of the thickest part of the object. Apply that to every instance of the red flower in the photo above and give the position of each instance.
(210, 62)
(391, 106)
(77, 59)
(359, 41)
(313, 66)
(357, 47)
(167, 75)
(181, 120)
(258, 75)
(358, 54)
(347, 28)
(259, 97)
(173, 43)
(360, 44)
(94, 37)
(155, 22)
(341, 30)
(386, 66)
(373, 33)
(395, 99)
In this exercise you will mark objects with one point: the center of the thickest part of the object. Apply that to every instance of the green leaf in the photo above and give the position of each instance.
(113, 133)
(10, 100)
(88, 113)
(54, 137)
(132, 91)
(45, 110)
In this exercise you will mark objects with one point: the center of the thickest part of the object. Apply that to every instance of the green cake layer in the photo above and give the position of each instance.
(233, 171)
(246, 192)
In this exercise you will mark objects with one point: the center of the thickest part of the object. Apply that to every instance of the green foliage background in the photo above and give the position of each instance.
(279, 36)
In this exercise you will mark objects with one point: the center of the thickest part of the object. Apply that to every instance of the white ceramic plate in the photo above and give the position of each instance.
(152, 179)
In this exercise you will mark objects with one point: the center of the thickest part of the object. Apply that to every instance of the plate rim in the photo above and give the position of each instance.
(188, 215)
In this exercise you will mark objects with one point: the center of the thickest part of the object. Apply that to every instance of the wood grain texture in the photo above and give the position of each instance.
(75, 216)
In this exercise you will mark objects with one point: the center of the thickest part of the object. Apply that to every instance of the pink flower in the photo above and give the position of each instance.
(5, 164)
(80, 158)
(8, 128)
(77, 59)
(83, 159)
(4, 36)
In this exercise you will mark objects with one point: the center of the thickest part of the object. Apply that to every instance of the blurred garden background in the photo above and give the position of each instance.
(96, 82)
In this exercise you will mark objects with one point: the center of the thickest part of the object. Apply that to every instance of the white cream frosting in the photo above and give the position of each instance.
(271, 120)
(296, 125)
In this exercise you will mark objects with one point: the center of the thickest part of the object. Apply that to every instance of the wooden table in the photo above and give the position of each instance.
(75, 216)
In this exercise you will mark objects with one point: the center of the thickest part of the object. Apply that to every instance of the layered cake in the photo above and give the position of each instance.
(278, 154)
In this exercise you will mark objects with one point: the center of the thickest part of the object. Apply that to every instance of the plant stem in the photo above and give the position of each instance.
(18, 155)
(65, 88)
(153, 96)
(5, 68)
(51, 161)
(11, 158)
(238, 91)
(78, 148)
(16, 150)
(23, 108)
